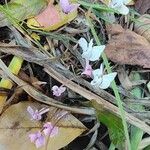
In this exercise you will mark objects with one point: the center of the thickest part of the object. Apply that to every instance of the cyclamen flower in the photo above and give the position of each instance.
(37, 114)
(90, 52)
(57, 91)
(67, 7)
(100, 80)
(87, 70)
(50, 129)
(37, 138)
(120, 6)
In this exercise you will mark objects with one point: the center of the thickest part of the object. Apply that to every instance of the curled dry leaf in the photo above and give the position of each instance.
(123, 78)
(127, 47)
(142, 6)
(15, 126)
(142, 26)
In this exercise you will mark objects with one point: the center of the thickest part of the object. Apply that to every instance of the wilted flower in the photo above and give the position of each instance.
(87, 70)
(57, 91)
(90, 52)
(50, 129)
(37, 114)
(100, 80)
(67, 7)
(120, 6)
(37, 138)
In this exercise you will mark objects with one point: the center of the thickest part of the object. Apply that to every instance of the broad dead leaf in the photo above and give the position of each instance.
(51, 18)
(127, 47)
(142, 26)
(15, 126)
(142, 6)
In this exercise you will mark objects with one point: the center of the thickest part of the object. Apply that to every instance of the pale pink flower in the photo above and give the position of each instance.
(87, 70)
(67, 7)
(57, 91)
(37, 114)
(37, 138)
(50, 129)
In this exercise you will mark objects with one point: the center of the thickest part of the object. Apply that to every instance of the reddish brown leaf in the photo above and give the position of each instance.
(127, 47)
(142, 26)
(142, 6)
(49, 16)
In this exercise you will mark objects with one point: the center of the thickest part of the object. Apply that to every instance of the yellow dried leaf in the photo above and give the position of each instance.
(51, 18)
(15, 126)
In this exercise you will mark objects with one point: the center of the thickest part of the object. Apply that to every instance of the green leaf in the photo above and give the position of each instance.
(23, 9)
(113, 123)
(136, 133)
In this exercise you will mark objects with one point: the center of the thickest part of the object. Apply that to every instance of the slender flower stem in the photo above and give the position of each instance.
(114, 86)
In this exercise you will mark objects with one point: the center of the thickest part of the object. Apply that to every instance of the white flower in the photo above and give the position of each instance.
(120, 6)
(100, 80)
(90, 52)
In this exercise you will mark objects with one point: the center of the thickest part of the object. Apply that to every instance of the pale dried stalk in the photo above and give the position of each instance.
(39, 58)
(34, 55)
(91, 96)
(42, 97)
(144, 143)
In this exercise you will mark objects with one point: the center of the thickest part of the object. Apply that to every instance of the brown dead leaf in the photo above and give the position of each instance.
(15, 126)
(127, 47)
(142, 6)
(123, 78)
(142, 26)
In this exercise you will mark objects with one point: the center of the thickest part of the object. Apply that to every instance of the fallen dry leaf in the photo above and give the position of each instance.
(15, 126)
(142, 6)
(127, 47)
(142, 26)
(51, 18)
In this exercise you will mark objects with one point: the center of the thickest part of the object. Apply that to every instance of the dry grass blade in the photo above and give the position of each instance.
(91, 96)
(35, 56)
(42, 97)
(144, 143)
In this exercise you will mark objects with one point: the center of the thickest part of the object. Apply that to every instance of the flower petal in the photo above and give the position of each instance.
(62, 89)
(55, 87)
(71, 8)
(83, 44)
(87, 54)
(106, 80)
(64, 4)
(126, 1)
(50, 130)
(115, 3)
(96, 73)
(33, 137)
(97, 78)
(96, 52)
(123, 10)
(40, 141)
(90, 45)
(101, 69)
(30, 110)
(54, 131)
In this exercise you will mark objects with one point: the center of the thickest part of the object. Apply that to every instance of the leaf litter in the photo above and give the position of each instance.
(62, 73)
